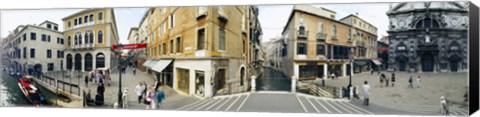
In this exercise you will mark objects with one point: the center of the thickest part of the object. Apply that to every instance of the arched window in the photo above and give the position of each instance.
(86, 38)
(100, 60)
(78, 62)
(301, 28)
(320, 27)
(88, 62)
(69, 61)
(69, 41)
(76, 39)
(79, 38)
(427, 23)
(334, 31)
(100, 37)
(91, 37)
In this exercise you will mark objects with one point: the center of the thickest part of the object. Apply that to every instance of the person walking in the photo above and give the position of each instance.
(387, 80)
(139, 91)
(393, 79)
(156, 84)
(160, 97)
(366, 93)
(86, 81)
(418, 82)
(100, 89)
(134, 71)
(410, 85)
(382, 76)
(151, 96)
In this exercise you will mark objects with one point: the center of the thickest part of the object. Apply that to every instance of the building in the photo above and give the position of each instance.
(90, 35)
(201, 51)
(316, 45)
(428, 37)
(364, 36)
(29, 50)
(273, 52)
(382, 52)
(254, 55)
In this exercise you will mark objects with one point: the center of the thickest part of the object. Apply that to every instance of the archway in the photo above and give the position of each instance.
(100, 60)
(88, 62)
(427, 62)
(69, 62)
(78, 62)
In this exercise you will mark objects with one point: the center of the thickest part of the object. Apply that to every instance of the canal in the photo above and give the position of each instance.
(273, 80)
(10, 94)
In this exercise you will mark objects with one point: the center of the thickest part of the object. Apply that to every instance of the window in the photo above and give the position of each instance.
(243, 45)
(350, 34)
(164, 49)
(76, 39)
(100, 16)
(79, 21)
(62, 41)
(427, 23)
(32, 53)
(49, 26)
(58, 53)
(201, 39)
(24, 52)
(301, 48)
(49, 53)
(25, 37)
(100, 37)
(179, 45)
(48, 39)
(159, 52)
(44, 37)
(69, 41)
(86, 19)
(221, 39)
(172, 20)
(58, 40)
(86, 38)
(320, 27)
(320, 49)
(69, 24)
(334, 31)
(91, 38)
(55, 28)
(75, 22)
(33, 36)
(171, 47)
(91, 17)
(80, 38)
(50, 67)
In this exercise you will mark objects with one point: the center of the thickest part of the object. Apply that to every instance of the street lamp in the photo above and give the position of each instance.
(120, 47)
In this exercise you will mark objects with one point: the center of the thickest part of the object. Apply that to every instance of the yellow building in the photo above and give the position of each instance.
(199, 51)
(90, 35)
(364, 36)
(316, 44)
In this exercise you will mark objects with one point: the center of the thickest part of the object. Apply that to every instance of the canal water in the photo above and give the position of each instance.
(10, 93)
(273, 80)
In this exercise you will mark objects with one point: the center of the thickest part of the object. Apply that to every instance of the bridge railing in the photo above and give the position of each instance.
(63, 85)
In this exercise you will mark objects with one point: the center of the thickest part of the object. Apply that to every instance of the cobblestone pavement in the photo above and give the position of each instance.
(424, 99)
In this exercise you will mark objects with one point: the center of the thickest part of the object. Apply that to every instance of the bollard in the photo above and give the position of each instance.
(323, 82)
(351, 92)
(294, 84)
(253, 84)
(341, 92)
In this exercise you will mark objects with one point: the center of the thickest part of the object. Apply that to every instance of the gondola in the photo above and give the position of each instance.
(31, 93)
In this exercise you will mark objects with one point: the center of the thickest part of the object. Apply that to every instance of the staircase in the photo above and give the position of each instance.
(314, 90)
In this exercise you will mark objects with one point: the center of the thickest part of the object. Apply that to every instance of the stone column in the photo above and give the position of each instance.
(253, 84)
(344, 70)
(294, 84)
(325, 71)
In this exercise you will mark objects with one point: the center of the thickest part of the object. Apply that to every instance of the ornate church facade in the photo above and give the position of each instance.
(428, 37)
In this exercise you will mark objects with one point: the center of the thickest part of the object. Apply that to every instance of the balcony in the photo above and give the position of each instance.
(201, 12)
(302, 34)
(334, 37)
(221, 14)
(321, 37)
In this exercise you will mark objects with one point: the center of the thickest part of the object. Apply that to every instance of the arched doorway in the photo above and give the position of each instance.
(78, 62)
(242, 75)
(427, 62)
(454, 63)
(88, 62)
(100, 60)
(69, 62)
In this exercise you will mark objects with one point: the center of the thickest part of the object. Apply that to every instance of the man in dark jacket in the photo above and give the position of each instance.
(100, 89)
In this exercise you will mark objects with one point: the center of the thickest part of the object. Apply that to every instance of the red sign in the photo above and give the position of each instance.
(131, 46)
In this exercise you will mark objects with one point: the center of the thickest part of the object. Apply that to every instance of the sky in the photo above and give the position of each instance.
(126, 18)
(273, 18)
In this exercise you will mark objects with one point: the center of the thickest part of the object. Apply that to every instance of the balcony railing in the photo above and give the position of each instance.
(201, 12)
(221, 14)
(302, 34)
(321, 36)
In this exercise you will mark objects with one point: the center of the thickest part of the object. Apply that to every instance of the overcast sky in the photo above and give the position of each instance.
(272, 17)
(10, 19)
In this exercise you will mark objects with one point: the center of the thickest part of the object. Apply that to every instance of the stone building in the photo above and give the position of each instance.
(428, 36)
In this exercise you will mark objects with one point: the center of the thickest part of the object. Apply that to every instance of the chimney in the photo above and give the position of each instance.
(356, 13)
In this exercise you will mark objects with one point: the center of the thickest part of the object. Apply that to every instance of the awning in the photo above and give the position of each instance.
(162, 64)
(377, 62)
(360, 63)
(146, 62)
(151, 64)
